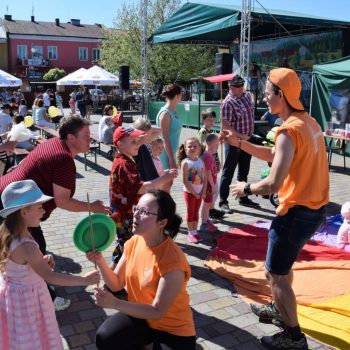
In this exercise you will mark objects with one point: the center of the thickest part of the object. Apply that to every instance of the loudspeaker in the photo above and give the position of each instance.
(124, 77)
(223, 63)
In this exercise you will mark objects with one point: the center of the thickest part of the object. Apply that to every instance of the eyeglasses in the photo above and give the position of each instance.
(142, 211)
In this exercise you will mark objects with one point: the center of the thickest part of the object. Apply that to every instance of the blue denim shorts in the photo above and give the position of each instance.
(288, 234)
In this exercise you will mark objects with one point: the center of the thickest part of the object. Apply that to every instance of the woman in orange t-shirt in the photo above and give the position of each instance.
(154, 271)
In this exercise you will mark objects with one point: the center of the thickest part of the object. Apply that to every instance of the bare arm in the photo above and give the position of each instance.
(115, 280)
(165, 121)
(31, 254)
(226, 126)
(63, 200)
(168, 288)
(168, 175)
(261, 152)
(281, 164)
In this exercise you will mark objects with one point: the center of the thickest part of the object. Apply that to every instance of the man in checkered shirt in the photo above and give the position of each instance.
(237, 114)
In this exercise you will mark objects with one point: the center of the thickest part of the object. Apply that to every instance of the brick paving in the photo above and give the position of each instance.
(223, 320)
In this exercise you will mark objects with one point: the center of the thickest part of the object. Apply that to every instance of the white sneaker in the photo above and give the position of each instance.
(61, 303)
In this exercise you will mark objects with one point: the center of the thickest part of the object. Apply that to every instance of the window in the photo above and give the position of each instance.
(52, 52)
(95, 54)
(22, 52)
(83, 54)
(37, 52)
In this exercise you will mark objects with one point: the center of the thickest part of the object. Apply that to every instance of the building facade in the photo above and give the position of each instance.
(29, 49)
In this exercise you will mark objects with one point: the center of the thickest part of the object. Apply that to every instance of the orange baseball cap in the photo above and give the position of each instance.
(289, 83)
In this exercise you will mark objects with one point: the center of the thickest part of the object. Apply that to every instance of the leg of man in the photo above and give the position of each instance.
(243, 166)
(232, 157)
(287, 236)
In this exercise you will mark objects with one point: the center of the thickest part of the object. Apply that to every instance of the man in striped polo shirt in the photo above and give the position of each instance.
(237, 115)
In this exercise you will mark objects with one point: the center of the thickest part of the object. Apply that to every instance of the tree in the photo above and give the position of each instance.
(166, 62)
(54, 74)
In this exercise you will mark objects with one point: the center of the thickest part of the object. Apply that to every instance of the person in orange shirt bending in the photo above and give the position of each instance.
(154, 270)
(299, 173)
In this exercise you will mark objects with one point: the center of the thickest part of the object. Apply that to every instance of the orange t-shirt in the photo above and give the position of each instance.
(144, 268)
(307, 182)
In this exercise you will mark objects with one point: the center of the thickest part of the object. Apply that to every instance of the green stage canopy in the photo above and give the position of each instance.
(332, 78)
(217, 24)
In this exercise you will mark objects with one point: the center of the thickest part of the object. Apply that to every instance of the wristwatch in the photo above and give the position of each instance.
(247, 191)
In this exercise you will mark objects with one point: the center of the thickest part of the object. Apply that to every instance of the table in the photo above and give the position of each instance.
(331, 146)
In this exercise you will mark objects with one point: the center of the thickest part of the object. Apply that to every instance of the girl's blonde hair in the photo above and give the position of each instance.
(10, 230)
(181, 153)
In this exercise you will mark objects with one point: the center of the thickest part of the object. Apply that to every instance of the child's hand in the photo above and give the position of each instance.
(105, 299)
(95, 256)
(92, 277)
(170, 174)
(50, 260)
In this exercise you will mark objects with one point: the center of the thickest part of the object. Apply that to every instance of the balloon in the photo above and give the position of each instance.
(19, 133)
(115, 111)
(28, 121)
(54, 112)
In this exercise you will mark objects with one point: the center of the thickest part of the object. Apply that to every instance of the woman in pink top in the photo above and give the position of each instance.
(27, 314)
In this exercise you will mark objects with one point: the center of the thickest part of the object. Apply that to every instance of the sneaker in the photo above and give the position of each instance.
(268, 313)
(216, 214)
(193, 238)
(225, 208)
(283, 340)
(248, 202)
(61, 303)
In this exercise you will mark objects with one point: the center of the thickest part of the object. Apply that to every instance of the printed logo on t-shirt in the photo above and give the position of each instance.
(147, 275)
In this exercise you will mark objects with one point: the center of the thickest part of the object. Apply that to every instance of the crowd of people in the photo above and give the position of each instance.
(147, 266)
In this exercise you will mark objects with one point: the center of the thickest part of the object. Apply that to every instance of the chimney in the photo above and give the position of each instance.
(8, 17)
(75, 22)
(32, 18)
(57, 20)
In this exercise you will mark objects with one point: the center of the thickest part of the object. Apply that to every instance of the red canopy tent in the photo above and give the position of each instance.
(219, 79)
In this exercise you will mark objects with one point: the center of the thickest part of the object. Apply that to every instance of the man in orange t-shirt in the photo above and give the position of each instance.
(299, 173)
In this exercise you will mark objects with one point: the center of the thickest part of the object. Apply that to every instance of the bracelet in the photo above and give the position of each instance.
(239, 143)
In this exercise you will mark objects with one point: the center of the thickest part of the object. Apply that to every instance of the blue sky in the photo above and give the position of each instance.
(103, 11)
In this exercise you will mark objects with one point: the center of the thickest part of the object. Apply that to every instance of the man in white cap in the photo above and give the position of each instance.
(303, 194)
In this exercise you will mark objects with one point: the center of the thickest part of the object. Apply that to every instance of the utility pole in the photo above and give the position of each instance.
(244, 49)
(144, 47)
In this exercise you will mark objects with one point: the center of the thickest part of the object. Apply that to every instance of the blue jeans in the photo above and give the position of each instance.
(288, 234)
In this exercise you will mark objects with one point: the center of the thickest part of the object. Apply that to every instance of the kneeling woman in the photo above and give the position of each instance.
(154, 270)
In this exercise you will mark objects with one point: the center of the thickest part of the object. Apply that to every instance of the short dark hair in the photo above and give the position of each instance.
(171, 90)
(211, 137)
(167, 210)
(71, 125)
(18, 118)
(107, 108)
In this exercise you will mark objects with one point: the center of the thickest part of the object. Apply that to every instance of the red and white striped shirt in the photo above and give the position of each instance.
(238, 112)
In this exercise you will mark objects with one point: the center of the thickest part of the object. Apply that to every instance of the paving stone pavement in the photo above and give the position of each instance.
(223, 320)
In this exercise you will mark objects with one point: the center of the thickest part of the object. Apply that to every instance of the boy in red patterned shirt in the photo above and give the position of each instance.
(126, 186)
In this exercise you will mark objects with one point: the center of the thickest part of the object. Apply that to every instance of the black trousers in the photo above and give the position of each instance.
(124, 332)
(233, 156)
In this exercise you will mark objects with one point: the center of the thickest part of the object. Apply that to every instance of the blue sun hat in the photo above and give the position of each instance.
(21, 194)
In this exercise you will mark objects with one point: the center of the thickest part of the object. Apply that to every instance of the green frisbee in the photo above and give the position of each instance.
(103, 229)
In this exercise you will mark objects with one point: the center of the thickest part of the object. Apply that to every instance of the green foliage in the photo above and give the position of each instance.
(166, 63)
(54, 74)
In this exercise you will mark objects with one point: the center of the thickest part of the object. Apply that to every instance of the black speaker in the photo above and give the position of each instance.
(223, 63)
(124, 77)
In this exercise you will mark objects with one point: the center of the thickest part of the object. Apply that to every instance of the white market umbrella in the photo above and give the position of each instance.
(72, 78)
(98, 76)
(7, 79)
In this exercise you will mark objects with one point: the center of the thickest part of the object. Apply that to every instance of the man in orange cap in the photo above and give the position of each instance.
(303, 193)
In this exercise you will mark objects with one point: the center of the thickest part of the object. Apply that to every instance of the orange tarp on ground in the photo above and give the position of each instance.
(321, 275)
